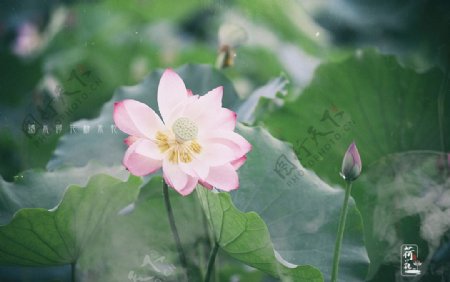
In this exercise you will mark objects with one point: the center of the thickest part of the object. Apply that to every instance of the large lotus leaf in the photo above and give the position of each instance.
(41, 237)
(300, 210)
(104, 143)
(42, 189)
(369, 99)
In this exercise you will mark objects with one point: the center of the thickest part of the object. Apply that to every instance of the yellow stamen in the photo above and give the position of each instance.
(185, 156)
(195, 147)
(173, 156)
(162, 141)
(177, 150)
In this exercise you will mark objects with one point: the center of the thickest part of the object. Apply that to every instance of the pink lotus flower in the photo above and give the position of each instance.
(194, 142)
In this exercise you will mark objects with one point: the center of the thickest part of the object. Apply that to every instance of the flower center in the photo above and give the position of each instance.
(184, 129)
(180, 145)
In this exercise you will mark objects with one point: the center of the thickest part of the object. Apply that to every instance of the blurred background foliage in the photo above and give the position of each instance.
(384, 64)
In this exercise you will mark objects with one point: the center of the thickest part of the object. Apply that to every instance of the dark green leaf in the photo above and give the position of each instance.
(369, 99)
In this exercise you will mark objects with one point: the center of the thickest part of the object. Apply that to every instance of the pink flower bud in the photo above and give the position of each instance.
(351, 165)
